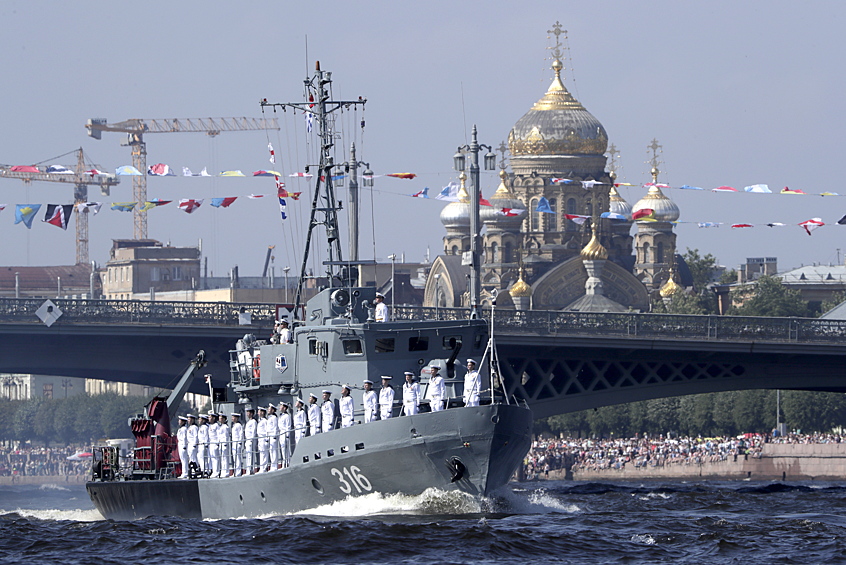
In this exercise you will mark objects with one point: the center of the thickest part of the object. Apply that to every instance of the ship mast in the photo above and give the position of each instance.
(324, 207)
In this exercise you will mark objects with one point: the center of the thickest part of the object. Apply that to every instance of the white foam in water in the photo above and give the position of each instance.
(52, 514)
(51, 486)
(645, 539)
(530, 502)
(432, 501)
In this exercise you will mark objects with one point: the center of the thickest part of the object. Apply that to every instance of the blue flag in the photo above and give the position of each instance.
(26, 213)
(543, 206)
(282, 207)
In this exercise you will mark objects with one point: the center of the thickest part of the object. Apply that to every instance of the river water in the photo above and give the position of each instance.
(538, 522)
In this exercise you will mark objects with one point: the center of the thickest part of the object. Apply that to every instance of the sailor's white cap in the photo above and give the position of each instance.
(299, 401)
(408, 374)
(380, 295)
(270, 405)
(311, 394)
(368, 381)
(212, 413)
(471, 361)
(346, 387)
(386, 377)
(222, 415)
(183, 418)
(203, 417)
(283, 322)
(434, 368)
(251, 410)
(233, 414)
(262, 409)
(326, 391)
(285, 404)
(192, 416)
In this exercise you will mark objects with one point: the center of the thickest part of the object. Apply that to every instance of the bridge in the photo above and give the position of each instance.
(558, 361)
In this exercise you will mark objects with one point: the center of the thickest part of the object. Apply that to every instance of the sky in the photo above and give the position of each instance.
(736, 93)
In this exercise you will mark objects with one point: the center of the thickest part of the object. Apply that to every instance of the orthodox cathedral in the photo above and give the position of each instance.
(569, 257)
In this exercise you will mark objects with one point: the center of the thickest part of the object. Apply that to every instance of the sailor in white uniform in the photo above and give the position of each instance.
(250, 439)
(203, 443)
(284, 435)
(386, 399)
(314, 426)
(214, 445)
(300, 420)
(182, 446)
(370, 401)
(273, 437)
(224, 437)
(284, 332)
(410, 395)
(381, 313)
(327, 412)
(436, 390)
(237, 450)
(472, 384)
(193, 432)
(346, 407)
(263, 440)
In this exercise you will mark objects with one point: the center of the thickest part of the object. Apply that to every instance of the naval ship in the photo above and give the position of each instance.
(335, 340)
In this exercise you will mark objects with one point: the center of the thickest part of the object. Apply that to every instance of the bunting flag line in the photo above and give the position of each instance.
(58, 170)
(724, 189)
(510, 212)
(776, 225)
(742, 225)
(95, 172)
(561, 181)
(644, 214)
(58, 215)
(123, 206)
(687, 187)
(2, 207)
(186, 172)
(812, 224)
(282, 208)
(786, 190)
(26, 213)
(223, 202)
(160, 170)
(588, 184)
(254, 196)
(128, 171)
(449, 192)
(309, 122)
(841, 221)
(24, 169)
(759, 188)
(301, 175)
(422, 194)
(408, 176)
(263, 173)
(272, 153)
(189, 204)
(577, 218)
(483, 202)
(710, 224)
(231, 174)
(613, 216)
(543, 206)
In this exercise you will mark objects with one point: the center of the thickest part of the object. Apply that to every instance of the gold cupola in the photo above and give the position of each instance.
(671, 287)
(520, 289)
(594, 250)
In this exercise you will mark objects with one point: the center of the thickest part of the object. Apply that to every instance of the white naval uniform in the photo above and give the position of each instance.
(263, 443)
(386, 402)
(273, 440)
(285, 335)
(182, 443)
(410, 398)
(192, 434)
(327, 415)
(224, 435)
(381, 313)
(371, 405)
(347, 409)
(436, 393)
(314, 419)
(237, 447)
(250, 435)
(214, 449)
(203, 446)
(285, 438)
(472, 384)
(300, 420)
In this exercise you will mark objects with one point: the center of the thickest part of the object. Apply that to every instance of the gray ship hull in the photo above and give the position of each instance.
(406, 455)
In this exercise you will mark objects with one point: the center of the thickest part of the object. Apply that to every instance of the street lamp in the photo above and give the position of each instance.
(285, 270)
(437, 295)
(66, 384)
(475, 224)
(393, 259)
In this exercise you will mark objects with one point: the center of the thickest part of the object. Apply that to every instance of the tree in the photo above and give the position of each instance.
(701, 268)
(768, 297)
(835, 300)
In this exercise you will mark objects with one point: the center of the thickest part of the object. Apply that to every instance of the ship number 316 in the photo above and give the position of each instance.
(352, 477)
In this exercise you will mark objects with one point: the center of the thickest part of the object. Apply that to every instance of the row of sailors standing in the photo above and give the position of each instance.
(265, 443)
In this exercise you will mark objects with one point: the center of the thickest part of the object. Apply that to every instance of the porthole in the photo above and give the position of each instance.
(495, 418)
(264, 498)
(317, 486)
(241, 498)
(330, 452)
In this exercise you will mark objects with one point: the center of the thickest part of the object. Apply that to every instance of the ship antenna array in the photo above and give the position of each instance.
(320, 107)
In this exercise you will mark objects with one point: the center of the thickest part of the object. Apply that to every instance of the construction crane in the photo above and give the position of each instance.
(80, 178)
(135, 130)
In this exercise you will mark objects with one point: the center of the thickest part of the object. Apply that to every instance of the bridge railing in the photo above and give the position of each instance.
(23, 310)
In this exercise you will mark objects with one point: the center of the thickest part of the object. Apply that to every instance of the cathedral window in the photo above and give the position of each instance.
(571, 209)
(659, 252)
(552, 219)
(506, 253)
(494, 253)
(534, 216)
(646, 254)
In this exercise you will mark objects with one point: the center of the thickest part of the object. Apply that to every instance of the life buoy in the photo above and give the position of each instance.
(257, 367)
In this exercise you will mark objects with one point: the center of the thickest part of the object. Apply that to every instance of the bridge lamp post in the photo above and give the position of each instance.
(286, 269)
(490, 164)
(393, 258)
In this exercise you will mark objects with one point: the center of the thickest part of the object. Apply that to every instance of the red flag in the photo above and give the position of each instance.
(643, 214)
(483, 202)
(59, 215)
(402, 175)
(724, 189)
(812, 224)
(786, 190)
(510, 212)
(189, 204)
(295, 195)
(742, 225)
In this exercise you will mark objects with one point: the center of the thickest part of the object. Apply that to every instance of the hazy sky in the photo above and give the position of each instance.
(737, 93)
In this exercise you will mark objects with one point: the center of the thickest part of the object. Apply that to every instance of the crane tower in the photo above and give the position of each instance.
(135, 130)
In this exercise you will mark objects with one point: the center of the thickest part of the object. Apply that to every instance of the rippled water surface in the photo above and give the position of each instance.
(545, 522)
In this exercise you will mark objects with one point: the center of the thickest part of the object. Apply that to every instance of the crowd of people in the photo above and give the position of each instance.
(210, 446)
(601, 454)
(39, 461)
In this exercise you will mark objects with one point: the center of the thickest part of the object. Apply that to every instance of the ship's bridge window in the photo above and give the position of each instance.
(385, 345)
(314, 347)
(451, 342)
(352, 347)
(418, 343)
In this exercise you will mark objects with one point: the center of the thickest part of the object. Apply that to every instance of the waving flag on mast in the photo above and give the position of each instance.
(155, 202)
(92, 207)
(812, 224)
(223, 202)
(578, 219)
(26, 213)
(283, 206)
(123, 206)
(189, 204)
(160, 170)
(59, 215)
(422, 194)
(272, 153)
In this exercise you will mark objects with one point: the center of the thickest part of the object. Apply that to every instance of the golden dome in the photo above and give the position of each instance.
(557, 125)
(520, 289)
(594, 250)
(463, 195)
(670, 287)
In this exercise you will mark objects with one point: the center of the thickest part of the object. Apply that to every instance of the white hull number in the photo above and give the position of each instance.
(354, 478)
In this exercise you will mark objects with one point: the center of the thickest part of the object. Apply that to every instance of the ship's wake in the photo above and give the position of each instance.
(90, 515)
(431, 502)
